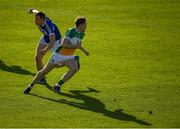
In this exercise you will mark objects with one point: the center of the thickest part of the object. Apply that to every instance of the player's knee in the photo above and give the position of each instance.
(75, 69)
(42, 72)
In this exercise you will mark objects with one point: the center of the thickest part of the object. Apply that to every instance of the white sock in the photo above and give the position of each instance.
(57, 85)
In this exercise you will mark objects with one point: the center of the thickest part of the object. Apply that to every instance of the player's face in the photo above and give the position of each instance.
(39, 21)
(83, 27)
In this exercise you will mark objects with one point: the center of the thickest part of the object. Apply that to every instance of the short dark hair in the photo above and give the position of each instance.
(41, 15)
(80, 20)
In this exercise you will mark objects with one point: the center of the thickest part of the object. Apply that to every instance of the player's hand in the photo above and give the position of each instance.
(86, 53)
(43, 52)
(30, 10)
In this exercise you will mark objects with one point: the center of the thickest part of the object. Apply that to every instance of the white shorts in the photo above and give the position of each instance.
(56, 44)
(57, 58)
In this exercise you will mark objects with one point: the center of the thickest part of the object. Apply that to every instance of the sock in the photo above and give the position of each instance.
(31, 85)
(60, 83)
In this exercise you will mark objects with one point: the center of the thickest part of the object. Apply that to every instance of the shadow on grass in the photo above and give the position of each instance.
(14, 69)
(93, 104)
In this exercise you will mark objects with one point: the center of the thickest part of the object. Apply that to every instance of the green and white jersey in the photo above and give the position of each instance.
(70, 33)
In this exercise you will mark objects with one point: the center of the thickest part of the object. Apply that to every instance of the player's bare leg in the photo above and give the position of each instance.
(38, 57)
(73, 68)
(43, 72)
(40, 74)
(39, 62)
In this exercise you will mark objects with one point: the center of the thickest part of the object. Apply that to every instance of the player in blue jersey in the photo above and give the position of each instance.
(48, 42)
(64, 55)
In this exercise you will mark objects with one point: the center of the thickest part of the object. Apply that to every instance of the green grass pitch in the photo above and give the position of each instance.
(130, 79)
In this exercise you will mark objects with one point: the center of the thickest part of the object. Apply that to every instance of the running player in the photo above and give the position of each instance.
(64, 56)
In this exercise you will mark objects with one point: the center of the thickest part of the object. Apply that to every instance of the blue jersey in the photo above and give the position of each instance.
(48, 29)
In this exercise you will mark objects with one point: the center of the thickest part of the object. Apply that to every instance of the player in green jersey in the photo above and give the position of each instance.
(64, 55)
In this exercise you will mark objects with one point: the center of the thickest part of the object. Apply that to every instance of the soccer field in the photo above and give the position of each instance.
(130, 79)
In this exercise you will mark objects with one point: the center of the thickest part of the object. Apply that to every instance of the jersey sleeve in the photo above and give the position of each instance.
(50, 27)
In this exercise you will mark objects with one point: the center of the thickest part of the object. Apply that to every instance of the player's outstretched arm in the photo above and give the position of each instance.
(83, 50)
(33, 11)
